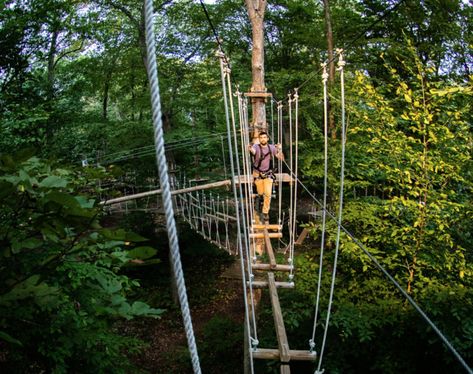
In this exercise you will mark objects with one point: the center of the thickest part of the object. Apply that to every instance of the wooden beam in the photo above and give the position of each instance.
(273, 354)
(302, 236)
(175, 192)
(269, 249)
(278, 320)
(268, 267)
(264, 284)
(260, 235)
(258, 94)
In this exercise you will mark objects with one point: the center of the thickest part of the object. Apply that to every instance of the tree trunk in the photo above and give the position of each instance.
(331, 66)
(106, 89)
(51, 62)
(256, 10)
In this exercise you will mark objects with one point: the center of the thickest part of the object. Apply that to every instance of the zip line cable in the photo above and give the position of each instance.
(217, 38)
(152, 68)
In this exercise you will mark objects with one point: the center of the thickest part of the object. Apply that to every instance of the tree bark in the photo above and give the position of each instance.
(331, 66)
(256, 10)
(51, 62)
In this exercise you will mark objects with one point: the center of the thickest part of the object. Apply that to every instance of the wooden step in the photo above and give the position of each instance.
(260, 235)
(268, 226)
(294, 355)
(265, 284)
(269, 267)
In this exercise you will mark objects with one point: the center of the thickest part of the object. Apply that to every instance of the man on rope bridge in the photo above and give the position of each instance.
(263, 155)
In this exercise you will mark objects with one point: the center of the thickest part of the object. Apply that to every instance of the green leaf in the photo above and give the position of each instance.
(85, 202)
(53, 181)
(10, 339)
(121, 234)
(142, 253)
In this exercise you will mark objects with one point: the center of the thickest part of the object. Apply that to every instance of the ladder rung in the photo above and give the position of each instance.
(260, 235)
(264, 284)
(277, 267)
(268, 227)
(294, 355)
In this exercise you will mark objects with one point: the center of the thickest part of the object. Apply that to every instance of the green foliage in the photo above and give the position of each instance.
(60, 286)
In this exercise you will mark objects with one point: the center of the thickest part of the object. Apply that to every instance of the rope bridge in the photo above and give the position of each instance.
(231, 222)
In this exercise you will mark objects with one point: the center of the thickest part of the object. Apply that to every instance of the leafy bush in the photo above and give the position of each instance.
(60, 286)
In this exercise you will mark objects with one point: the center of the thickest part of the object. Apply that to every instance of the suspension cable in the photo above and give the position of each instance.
(324, 207)
(341, 65)
(164, 181)
(245, 227)
(296, 156)
(291, 185)
(280, 162)
(237, 213)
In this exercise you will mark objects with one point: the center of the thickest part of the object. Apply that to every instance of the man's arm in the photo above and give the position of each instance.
(251, 149)
(279, 155)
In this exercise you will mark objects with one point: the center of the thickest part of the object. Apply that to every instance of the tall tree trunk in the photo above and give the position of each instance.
(51, 62)
(256, 10)
(331, 66)
(106, 89)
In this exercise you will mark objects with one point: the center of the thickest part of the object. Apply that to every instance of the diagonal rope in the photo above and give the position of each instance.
(164, 181)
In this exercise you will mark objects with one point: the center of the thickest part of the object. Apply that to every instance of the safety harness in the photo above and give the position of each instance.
(263, 174)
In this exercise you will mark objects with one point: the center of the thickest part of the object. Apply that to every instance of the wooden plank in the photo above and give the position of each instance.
(285, 369)
(276, 268)
(267, 226)
(302, 236)
(278, 320)
(273, 354)
(260, 235)
(264, 284)
(269, 249)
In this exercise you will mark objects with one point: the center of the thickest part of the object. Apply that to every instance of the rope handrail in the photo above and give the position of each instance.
(152, 69)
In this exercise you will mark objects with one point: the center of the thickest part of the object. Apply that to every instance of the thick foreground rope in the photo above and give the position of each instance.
(164, 181)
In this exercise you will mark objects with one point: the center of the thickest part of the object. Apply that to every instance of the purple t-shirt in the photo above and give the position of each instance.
(266, 158)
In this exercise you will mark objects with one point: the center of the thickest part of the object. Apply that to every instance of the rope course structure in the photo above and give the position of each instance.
(231, 220)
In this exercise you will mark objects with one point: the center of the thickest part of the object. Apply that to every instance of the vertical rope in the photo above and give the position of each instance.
(237, 213)
(341, 64)
(223, 158)
(324, 207)
(296, 154)
(291, 168)
(245, 227)
(280, 161)
(164, 182)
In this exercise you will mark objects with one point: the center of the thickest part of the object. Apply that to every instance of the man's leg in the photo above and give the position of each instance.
(259, 183)
(267, 190)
